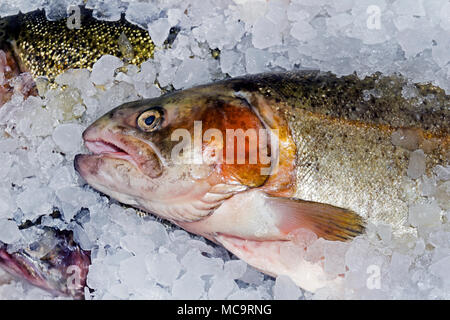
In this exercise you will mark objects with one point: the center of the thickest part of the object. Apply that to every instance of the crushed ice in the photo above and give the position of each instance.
(135, 257)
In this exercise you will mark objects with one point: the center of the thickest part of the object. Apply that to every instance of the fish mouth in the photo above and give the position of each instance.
(104, 148)
(114, 145)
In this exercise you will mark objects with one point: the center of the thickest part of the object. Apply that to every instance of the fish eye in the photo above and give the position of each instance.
(150, 120)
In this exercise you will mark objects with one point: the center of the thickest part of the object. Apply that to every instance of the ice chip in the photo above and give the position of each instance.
(104, 69)
(416, 166)
(163, 267)
(266, 34)
(133, 271)
(334, 254)
(68, 137)
(137, 244)
(442, 173)
(9, 232)
(199, 264)
(425, 214)
(191, 72)
(409, 7)
(286, 289)
(256, 60)
(7, 203)
(443, 195)
(141, 13)
(385, 232)
(235, 268)
(157, 233)
(159, 30)
(35, 201)
(400, 264)
(189, 287)
(303, 31)
(221, 287)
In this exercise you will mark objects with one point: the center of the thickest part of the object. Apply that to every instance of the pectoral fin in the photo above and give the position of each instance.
(326, 221)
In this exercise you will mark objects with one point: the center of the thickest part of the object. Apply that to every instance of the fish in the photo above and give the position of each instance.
(324, 161)
(54, 262)
(46, 48)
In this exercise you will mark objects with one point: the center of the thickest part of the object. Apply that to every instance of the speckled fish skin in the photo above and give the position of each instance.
(345, 154)
(48, 48)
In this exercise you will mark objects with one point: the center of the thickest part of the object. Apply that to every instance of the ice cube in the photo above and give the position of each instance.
(400, 264)
(100, 276)
(409, 7)
(385, 232)
(413, 42)
(201, 265)
(120, 291)
(252, 276)
(133, 272)
(189, 287)
(443, 195)
(425, 214)
(104, 69)
(221, 287)
(266, 34)
(163, 267)
(77, 78)
(334, 254)
(7, 203)
(235, 268)
(174, 16)
(141, 13)
(440, 269)
(303, 31)
(6, 159)
(137, 244)
(157, 233)
(251, 10)
(442, 173)
(256, 60)
(416, 166)
(407, 138)
(444, 15)
(35, 201)
(9, 232)
(428, 186)
(80, 236)
(231, 62)
(68, 137)
(159, 30)
(286, 289)
(191, 72)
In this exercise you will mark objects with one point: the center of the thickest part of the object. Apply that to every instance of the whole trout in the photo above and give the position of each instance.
(333, 156)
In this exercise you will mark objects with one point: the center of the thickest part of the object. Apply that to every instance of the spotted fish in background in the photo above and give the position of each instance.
(48, 48)
(337, 167)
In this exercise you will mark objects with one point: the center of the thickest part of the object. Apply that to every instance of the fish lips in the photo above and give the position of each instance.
(120, 147)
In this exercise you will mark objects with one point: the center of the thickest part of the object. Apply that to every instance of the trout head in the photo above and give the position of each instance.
(181, 155)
